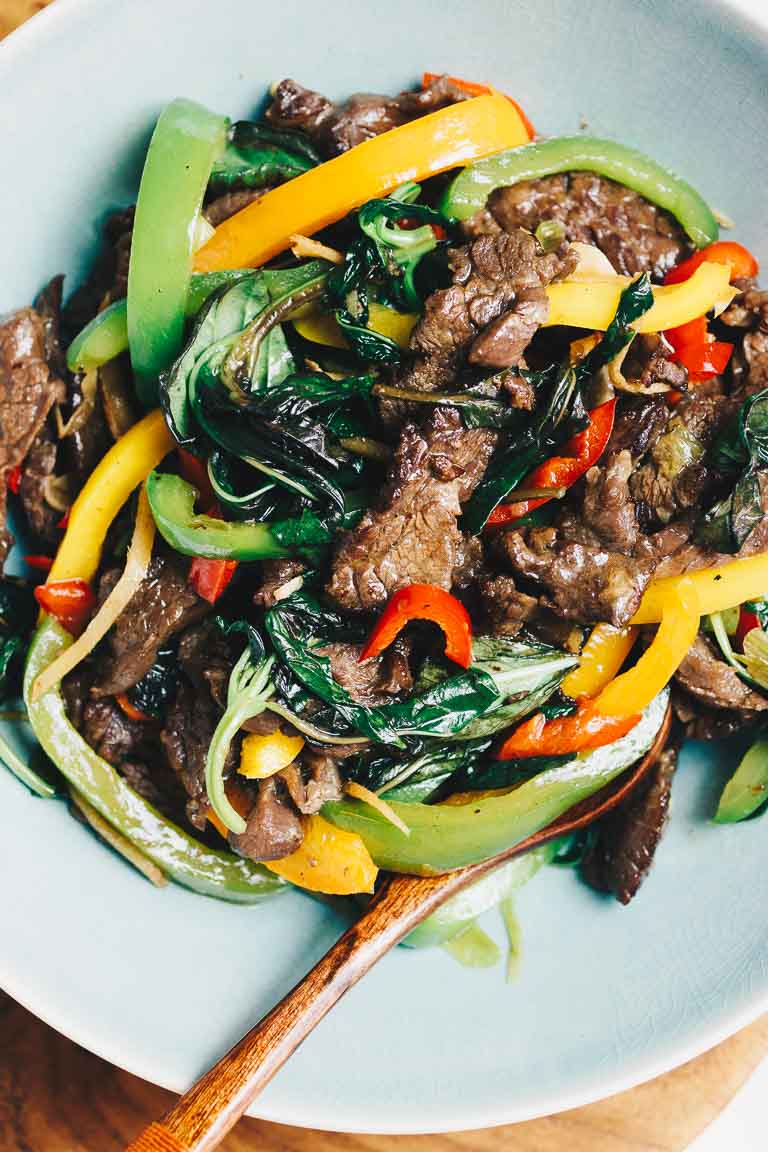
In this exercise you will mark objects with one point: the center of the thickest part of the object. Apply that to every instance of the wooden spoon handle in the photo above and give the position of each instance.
(203, 1115)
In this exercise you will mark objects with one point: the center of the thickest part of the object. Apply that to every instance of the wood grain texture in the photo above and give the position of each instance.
(55, 1097)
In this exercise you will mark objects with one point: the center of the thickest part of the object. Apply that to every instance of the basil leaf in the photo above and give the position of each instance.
(634, 302)
(257, 156)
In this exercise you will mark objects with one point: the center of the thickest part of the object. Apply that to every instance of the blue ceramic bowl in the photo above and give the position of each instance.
(161, 982)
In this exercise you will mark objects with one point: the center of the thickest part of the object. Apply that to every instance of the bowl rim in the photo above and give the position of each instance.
(751, 17)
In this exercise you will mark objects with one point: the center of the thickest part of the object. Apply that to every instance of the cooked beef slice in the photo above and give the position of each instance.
(315, 778)
(749, 312)
(90, 440)
(625, 841)
(496, 302)
(608, 508)
(507, 608)
(334, 128)
(372, 681)
(157, 784)
(207, 657)
(649, 366)
(112, 734)
(164, 604)
(28, 390)
(414, 536)
(634, 234)
(275, 575)
(672, 551)
(48, 308)
(675, 476)
(229, 203)
(274, 827)
(189, 726)
(702, 723)
(639, 423)
(709, 679)
(584, 582)
(38, 471)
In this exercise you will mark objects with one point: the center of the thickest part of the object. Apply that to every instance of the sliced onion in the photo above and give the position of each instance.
(116, 840)
(136, 565)
(593, 264)
(304, 248)
(361, 793)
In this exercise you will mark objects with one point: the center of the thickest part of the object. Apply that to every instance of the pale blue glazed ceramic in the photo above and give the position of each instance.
(161, 982)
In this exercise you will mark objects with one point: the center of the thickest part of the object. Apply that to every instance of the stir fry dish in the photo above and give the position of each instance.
(390, 478)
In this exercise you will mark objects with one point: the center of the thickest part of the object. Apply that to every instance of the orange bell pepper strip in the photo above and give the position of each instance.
(601, 659)
(445, 139)
(424, 602)
(579, 454)
(742, 262)
(586, 728)
(330, 860)
(474, 89)
(130, 710)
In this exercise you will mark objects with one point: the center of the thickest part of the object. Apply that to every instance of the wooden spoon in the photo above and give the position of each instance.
(202, 1117)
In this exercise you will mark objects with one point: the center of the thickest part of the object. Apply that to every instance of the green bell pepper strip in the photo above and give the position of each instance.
(747, 789)
(204, 870)
(461, 910)
(186, 140)
(444, 836)
(106, 336)
(172, 501)
(468, 192)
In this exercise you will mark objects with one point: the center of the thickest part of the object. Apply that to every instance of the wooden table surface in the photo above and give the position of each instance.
(55, 1097)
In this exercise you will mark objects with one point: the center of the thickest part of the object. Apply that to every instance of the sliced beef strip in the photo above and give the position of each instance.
(749, 311)
(28, 390)
(229, 203)
(634, 234)
(39, 470)
(414, 537)
(672, 551)
(709, 679)
(639, 424)
(112, 734)
(584, 582)
(372, 681)
(496, 302)
(334, 128)
(649, 366)
(163, 605)
(207, 656)
(274, 827)
(275, 576)
(157, 784)
(108, 278)
(675, 477)
(702, 723)
(315, 779)
(608, 508)
(189, 726)
(625, 841)
(507, 608)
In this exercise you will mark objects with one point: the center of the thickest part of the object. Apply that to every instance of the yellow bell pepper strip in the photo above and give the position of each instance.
(445, 139)
(593, 303)
(330, 860)
(601, 658)
(323, 328)
(633, 690)
(136, 565)
(262, 756)
(715, 589)
(125, 466)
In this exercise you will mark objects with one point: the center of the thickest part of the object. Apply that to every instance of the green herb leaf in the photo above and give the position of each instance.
(257, 156)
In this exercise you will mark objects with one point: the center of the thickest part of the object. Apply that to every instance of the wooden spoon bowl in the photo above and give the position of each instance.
(202, 1116)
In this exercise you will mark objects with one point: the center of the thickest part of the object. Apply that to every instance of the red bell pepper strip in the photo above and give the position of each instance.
(70, 601)
(473, 89)
(586, 728)
(697, 350)
(13, 479)
(130, 710)
(747, 622)
(424, 602)
(210, 578)
(195, 472)
(579, 454)
(41, 563)
(742, 262)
